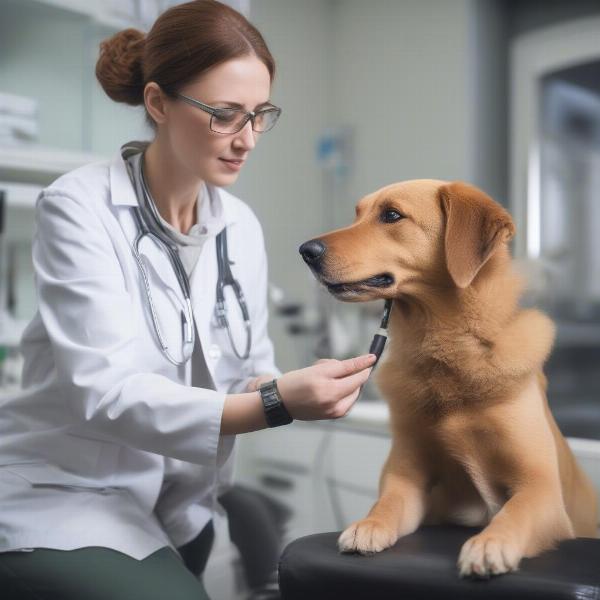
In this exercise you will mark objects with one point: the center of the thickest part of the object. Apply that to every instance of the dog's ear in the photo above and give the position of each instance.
(475, 227)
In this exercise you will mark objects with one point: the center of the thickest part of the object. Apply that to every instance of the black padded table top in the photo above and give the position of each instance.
(422, 566)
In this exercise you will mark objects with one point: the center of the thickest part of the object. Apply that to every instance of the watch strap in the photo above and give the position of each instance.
(275, 411)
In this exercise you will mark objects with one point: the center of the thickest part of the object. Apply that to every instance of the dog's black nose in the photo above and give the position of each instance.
(312, 251)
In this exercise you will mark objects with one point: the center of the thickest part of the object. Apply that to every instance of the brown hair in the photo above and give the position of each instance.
(185, 40)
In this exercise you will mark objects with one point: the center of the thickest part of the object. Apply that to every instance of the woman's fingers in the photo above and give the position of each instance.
(324, 360)
(349, 384)
(349, 366)
(345, 404)
(348, 387)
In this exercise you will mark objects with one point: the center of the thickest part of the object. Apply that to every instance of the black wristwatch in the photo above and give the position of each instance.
(275, 412)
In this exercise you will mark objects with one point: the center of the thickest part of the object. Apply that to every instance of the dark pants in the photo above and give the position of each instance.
(98, 573)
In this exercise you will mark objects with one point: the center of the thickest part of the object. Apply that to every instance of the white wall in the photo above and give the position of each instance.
(488, 68)
(400, 76)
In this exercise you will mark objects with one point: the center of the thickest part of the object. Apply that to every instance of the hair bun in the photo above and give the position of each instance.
(119, 67)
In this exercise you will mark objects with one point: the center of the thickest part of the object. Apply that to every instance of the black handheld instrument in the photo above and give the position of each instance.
(380, 338)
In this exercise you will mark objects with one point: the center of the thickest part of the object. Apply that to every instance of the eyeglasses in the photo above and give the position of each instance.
(232, 120)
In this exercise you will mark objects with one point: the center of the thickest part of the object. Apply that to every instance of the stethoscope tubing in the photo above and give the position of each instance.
(225, 277)
(189, 336)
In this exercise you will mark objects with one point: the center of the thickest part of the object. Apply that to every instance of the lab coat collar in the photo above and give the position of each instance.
(123, 194)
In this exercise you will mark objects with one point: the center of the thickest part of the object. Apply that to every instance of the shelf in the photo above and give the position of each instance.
(20, 195)
(40, 164)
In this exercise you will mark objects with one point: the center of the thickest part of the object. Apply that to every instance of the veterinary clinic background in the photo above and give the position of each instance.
(503, 94)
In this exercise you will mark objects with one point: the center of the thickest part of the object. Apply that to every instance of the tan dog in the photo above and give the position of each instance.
(473, 439)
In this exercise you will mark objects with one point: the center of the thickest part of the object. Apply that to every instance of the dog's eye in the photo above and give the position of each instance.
(390, 216)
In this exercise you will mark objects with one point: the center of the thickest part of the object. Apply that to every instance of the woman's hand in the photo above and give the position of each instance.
(326, 390)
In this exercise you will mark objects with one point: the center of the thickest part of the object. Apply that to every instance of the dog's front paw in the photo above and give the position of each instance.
(488, 554)
(367, 536)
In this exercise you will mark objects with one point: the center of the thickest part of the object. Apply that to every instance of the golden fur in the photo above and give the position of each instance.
(473, 439)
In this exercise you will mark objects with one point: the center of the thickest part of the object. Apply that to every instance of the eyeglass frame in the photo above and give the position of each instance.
(212, 110)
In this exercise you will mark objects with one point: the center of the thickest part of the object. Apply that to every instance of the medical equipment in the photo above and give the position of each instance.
(149, 225)
(380, 338)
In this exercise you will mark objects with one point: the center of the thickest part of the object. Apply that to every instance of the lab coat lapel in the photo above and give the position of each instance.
(121, 188)
(203, 284)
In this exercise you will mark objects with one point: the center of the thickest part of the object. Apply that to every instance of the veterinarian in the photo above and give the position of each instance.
(114, 453)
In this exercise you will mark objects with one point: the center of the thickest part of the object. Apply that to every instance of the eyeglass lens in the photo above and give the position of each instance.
(232, 120)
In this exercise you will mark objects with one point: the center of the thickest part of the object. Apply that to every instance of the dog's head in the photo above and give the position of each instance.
(408, 237)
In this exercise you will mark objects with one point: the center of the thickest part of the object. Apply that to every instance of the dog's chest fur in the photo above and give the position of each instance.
(467, 455)
(449, 411)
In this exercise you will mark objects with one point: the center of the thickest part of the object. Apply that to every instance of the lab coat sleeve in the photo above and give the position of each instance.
(88, 314)
(262, 355)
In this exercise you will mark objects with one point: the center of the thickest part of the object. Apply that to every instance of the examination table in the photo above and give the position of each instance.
(422, 566)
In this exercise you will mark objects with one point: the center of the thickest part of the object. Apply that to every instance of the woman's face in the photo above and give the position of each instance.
(243, 81)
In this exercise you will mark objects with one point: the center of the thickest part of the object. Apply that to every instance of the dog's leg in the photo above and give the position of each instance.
(398, 511)
(511, 456)
(531, 521)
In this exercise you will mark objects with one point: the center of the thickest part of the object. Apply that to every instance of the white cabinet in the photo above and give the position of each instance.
(326, 472)
(281, 462)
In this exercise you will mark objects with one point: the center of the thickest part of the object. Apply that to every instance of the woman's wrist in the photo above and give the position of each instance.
(255, 383)
(243, 413)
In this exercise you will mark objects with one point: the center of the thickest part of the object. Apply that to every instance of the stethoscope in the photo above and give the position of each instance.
(150, 225)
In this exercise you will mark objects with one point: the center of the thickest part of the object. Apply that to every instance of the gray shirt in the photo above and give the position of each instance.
(208, 224)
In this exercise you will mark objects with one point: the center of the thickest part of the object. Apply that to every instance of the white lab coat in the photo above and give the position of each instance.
(108, 443)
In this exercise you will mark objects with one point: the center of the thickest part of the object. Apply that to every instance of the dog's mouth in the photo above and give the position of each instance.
(383, 280)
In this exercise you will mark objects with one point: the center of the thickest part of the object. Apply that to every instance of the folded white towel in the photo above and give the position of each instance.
(14, 126)
(18, 105)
